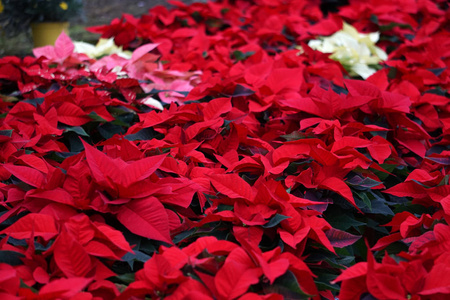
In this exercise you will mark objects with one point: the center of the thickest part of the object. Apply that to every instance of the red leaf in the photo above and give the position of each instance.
(28, 175)
(32, 224)
(362, 88)
(380, 149)
(63, 288)
(71, 258)
(180, 191)
(34, 162)
(349, 142)
(41, 276)
(46, 51)
(358, 270)
(407, 189)
(191, 290)
(437, 281)
(393, 102)
(294, 239)
(146, 217)
(71, 114)
(114, 236)
(232, 186)
(386, 241)
(236, 275)
(340, 239)
(110, 172)
(141, 51)
(196, 128)
(57, 195)
(9, 282)
(214, 108)
(140, 169)
(339, 186)
(63, 46)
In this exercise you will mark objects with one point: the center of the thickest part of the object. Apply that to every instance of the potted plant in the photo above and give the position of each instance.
(47, 18)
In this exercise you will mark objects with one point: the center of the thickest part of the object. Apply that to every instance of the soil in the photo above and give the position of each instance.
(96, 12)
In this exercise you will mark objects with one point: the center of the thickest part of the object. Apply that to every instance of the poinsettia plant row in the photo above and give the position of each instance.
(227, 159)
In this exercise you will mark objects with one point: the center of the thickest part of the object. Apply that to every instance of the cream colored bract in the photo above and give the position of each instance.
(356, 51)
(104, 47)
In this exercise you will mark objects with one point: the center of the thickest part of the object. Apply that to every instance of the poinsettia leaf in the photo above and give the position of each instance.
(232, 186)
(373, 204)
(275, 220)
(240, 91)
(141, 169)
(146, 217)
(28, 175)
(108, 130)
(287, 286)
(184, 235)
(362, 183)
(70, 256)
(130, 258)
(76, 129)
(95, 117)
(71, 114)
(6, 133)
(234, 278)
(33, 224)
(11, 258)
(63, 46)
(341, 220)
(216, 107)
(103, 168)
(341, 239)
(64, 288)
(339, 186)
(440, 160)
(143, 134)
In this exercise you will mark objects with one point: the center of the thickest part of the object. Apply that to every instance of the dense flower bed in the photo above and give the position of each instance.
(227, 159)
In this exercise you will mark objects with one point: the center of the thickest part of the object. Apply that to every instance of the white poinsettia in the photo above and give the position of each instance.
(355, 51)
(104, 47)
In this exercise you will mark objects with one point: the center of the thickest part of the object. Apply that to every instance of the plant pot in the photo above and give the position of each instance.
(46, 33)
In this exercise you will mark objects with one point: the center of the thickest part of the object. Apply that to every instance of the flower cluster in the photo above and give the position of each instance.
(219, 163)
(355, 51)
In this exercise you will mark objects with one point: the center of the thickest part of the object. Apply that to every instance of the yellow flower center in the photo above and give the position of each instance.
(63, 5)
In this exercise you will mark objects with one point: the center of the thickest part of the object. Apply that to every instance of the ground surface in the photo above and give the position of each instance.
(96, 12)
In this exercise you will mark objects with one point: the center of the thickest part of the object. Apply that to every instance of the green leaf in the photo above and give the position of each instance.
(126, 278)
(77, 129)
(7, 133)
(223, 207)
(143, 134)
(365, 200)
(369, 202)
(394, 24)
(185, 234)
(108, 130)
(11, 258)
(97, 118)
(275, 221)
(130, 258)
(293, 136)
(361, 183)
(377, 226)
(239, 55)
(343, 221)
(323, 282)
(287, 286)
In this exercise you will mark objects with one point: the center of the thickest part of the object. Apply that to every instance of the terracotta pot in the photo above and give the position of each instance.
(46, 33)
